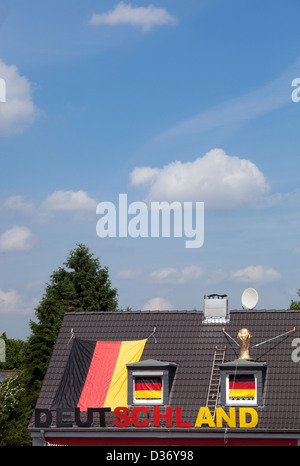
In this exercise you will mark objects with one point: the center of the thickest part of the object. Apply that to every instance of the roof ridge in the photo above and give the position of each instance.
(136, 312)
(174, 311)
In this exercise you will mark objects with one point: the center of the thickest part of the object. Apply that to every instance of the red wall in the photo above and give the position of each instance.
(114, 441)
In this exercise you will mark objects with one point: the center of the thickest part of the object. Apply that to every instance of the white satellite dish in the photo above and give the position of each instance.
(249, 298)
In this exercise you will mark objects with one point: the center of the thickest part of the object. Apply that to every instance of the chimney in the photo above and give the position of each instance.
(216, 309)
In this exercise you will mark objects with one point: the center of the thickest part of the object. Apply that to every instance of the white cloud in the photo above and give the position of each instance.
(19, 110)
(296, 251)
(176, 276)
(144, 17)
(70, 201)
(142, 176)
(11, 302)
(17, 203)
(16, 239)
(158, 304)
(220, 180)
(256, 273)
(77, 202)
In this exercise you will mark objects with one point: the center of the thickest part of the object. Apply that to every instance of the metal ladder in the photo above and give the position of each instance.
(214, 382)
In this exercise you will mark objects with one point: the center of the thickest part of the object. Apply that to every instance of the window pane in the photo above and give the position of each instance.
(148, 388)
(242, 387)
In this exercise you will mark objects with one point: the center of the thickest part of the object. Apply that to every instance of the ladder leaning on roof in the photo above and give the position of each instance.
(214, 382)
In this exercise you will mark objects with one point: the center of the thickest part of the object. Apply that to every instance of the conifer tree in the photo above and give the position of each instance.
(81, 285)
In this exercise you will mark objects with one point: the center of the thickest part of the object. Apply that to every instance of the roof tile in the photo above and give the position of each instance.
(182, 337)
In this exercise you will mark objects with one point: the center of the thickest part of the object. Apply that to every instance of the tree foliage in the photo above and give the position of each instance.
(295, 304)
(80, 285)
(15, 353)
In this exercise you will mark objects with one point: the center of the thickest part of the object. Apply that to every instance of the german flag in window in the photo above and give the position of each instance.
(242, 387)
(148, 388)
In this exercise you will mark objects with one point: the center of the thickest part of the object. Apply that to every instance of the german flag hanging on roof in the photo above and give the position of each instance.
(96, 374)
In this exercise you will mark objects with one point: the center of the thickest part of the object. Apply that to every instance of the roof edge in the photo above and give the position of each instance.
(183, 311)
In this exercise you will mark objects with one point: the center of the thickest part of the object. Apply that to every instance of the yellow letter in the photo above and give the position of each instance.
(204, 417)
(220, 415)
(253, 414)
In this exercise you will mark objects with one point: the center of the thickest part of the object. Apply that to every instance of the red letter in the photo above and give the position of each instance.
(157, 415)
(179, 422)
(134, 416)
(122, 413)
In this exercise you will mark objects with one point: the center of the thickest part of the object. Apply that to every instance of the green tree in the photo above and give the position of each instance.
(295, 304)
(15, 354)
(80, 285)
(14, 414)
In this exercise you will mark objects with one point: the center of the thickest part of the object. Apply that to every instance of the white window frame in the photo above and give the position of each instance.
(240, 402)
(144, 402)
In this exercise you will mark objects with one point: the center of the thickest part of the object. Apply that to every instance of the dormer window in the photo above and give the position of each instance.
(148, 389)
(242, 383)
(150, 382)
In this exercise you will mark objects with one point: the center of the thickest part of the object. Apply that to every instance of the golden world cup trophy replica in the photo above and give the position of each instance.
(244, 337)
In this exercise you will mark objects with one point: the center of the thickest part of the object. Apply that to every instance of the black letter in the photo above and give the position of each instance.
(59, 420)
(101, 412)
(37, 417)
(88, 421)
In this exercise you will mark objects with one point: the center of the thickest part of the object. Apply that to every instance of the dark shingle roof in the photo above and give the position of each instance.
(182, 338)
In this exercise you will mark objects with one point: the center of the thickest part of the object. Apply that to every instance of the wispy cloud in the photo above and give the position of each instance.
(12, 302)
(144, 17)
(177, 276)
(268, 97)
(127, 274)
(17, 206)
(256, 274)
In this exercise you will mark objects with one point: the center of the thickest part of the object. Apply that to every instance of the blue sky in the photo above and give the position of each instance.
(165, 101)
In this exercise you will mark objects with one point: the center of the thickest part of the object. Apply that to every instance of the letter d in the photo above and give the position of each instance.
(154, 455)
(254, 418)
(37, 417)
